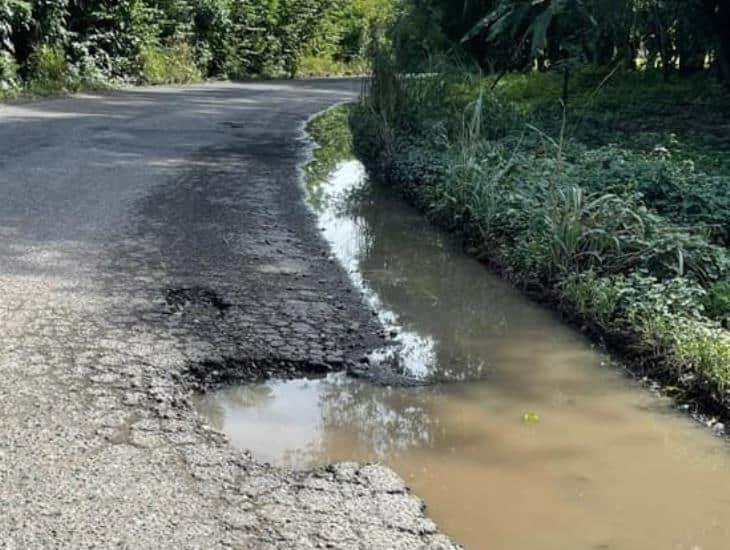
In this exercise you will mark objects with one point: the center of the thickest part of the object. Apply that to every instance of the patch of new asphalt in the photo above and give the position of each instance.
(154, 242)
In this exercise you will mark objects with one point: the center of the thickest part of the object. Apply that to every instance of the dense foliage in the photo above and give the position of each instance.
(52, 45)
(682, 36)
(614, 205)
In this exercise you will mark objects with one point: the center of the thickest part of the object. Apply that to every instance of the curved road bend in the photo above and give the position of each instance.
(152, 241)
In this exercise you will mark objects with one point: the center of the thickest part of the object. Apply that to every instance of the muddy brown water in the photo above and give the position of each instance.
(529, 442)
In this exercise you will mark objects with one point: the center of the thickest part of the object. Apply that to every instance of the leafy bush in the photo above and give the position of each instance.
(8, 74)
(173, 64)
(49, 71)
(673, 188)
(594, 297)
(717, 303)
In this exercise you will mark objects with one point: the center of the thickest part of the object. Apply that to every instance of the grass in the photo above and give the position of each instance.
(324, 65)
(170, 64)
(615, 206)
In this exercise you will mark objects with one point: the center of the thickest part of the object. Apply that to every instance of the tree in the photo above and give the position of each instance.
(679, 36)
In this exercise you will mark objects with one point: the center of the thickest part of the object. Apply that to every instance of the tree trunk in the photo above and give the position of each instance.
(663, 45)
(718, 14)
(691, 51)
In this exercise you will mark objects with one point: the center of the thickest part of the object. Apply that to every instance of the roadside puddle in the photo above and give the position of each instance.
(528, 441)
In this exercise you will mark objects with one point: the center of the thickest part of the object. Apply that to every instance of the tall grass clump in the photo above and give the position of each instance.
(170, 64)
(627, 237)
(49, 70)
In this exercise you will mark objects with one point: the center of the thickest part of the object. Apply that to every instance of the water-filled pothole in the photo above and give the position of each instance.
(532, 444)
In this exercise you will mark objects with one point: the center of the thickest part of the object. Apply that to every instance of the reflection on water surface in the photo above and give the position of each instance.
(607, 466)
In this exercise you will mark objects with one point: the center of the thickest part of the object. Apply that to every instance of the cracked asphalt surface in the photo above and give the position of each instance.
(154, 242)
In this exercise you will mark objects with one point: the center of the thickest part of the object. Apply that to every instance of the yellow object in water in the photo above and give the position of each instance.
(530, 418)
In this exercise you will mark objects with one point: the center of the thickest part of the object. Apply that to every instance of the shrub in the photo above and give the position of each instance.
(717, 303)
(675, 188)
(172, 64)
(596, 298)
(49, 71)
(8, 74)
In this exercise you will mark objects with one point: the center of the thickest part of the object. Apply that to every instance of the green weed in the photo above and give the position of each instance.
(171, 64)
(49, 71)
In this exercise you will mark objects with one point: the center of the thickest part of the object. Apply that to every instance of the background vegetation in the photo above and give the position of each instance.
(582, 148)
(675, 36)
(57, 45)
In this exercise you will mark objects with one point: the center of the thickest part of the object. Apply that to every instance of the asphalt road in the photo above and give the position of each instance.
(154, 241)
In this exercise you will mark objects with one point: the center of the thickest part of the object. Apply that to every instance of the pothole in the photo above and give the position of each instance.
(211, 375)
(196, 301)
